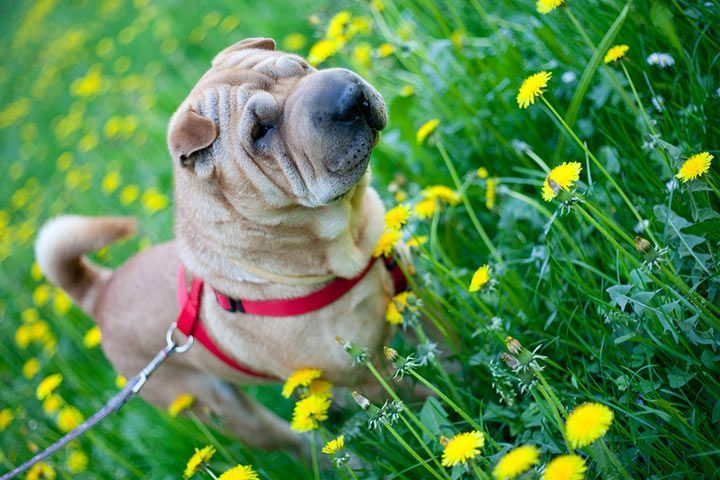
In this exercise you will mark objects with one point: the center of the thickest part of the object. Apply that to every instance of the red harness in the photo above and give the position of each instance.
(189, 322)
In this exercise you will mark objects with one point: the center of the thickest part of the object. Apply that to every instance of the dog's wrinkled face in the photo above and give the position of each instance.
(265, 126)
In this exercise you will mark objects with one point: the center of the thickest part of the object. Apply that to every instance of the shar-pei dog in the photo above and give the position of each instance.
(273, 215)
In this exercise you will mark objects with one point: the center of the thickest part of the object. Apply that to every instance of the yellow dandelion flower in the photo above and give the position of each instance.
(334, 446)
(77, 461)
(52, 404)
(393, 315)
(396, 217)
(198, 460)
(39, 330)
(407, 90)
(385, 50)
(462, 447)
(695, 166)
(23, 336)
(564, 175)
(587, 423)
(111, 181)
(321, 51)
(546, 6)
(615, 53)
(36, 272)
(6, 417)
(386, 243)
(416, 241)
(129, 194)
(240, 472)
(69, 417)
(401, 196)
(294, 42)
(425, 208)
(41, 471)
(442, 193)
(92, 337)
(490, 193)
(362, 54)
(120, 381)
(426, 129)
(154, 201)
(48, 385)
(532, 88)
(30, 368)
(41, 295)
(301, 378)
(337, 24)
(516, 461)
(565, 467)
(320, 388)
(480, 278)
(61, 302)
(482, 172)
(180, 404)
(308, 412)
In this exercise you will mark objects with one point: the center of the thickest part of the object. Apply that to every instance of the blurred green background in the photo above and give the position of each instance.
(87, 89)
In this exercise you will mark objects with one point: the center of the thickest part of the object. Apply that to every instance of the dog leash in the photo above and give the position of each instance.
(114, 404)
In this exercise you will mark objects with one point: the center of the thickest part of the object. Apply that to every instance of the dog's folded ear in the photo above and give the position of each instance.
(249, 43)
(189, 133)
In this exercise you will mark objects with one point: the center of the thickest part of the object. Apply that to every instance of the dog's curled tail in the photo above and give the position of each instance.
(60, 247)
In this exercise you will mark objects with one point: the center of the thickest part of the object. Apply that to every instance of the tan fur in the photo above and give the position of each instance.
(297, 205)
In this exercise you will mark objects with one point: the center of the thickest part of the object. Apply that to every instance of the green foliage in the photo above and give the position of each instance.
(612, 288)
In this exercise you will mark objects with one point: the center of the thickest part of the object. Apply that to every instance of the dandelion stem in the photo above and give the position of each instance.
(351, 472)
(412, 451)
(556, 415)
(471, 212)
(210, 472)
(313, 447)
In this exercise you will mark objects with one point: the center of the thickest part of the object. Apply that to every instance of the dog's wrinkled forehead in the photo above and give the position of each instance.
(260, 55)
(253, 62)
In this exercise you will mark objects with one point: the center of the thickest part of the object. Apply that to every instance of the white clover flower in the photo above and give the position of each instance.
(662, 60)
(568, 77)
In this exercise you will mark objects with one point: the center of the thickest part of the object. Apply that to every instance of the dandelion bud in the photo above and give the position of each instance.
(360, 400)
(390, 353)
(513, 345)
(444, 440)
(641, 244)
(510, 361)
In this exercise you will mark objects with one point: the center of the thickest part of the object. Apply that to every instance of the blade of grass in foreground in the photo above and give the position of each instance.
(589, 73)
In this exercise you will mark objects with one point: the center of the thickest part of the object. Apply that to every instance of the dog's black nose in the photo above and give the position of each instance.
(351, 104)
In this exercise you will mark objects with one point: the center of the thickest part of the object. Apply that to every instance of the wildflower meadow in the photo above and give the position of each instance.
(552, 167)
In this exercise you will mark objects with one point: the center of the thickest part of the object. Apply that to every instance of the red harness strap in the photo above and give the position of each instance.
(189, 323)
(189, 319)
(314, 301)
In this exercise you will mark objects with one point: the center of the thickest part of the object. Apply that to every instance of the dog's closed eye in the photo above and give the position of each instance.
(260, 130)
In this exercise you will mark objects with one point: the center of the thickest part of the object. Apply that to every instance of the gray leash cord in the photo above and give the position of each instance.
(114, 404)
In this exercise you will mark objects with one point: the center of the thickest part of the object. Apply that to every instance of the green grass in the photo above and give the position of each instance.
(616, 327)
